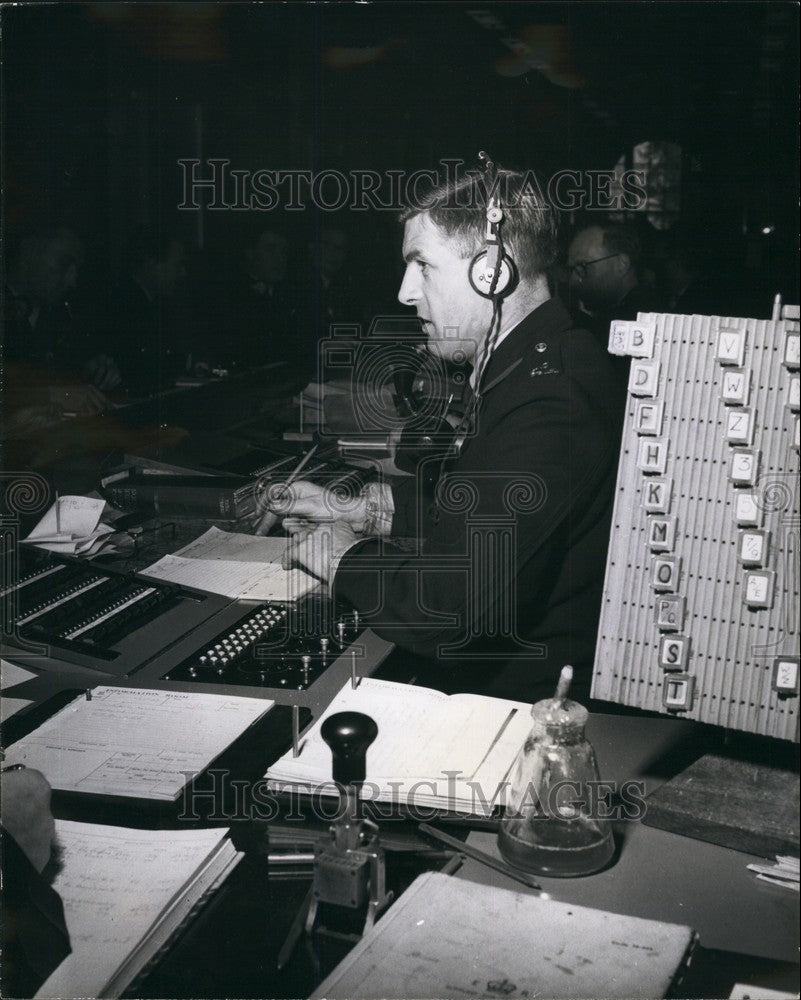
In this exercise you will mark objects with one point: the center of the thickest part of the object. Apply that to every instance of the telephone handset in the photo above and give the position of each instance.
(431, 396)
(430, 386)
(404, 397)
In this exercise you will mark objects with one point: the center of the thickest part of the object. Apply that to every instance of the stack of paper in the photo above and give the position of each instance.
(125, 894)
(72, 526)
(784, 873)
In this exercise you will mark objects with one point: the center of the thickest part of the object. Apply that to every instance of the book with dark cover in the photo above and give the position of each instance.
(226, 497)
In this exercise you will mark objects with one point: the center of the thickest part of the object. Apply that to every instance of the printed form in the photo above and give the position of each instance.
(135, 741)
(243, 567)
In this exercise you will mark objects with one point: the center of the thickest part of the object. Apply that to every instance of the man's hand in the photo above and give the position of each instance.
(27, 816)
(312, 503)
(318, 548)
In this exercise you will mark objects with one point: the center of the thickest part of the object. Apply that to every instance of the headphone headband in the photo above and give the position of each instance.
(493, 273)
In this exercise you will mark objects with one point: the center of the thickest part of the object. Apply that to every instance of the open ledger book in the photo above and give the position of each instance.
(138, 742)
(432, 750)
(447, 937)
(125, 894)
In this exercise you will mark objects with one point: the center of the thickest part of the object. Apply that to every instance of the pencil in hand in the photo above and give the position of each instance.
(269, 519)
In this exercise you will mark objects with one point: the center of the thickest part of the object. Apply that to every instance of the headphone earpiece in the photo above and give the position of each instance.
(492, 281)
(493, 273)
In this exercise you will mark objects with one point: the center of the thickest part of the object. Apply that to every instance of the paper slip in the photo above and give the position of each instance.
(76, 546)
(239, 566)
(10, 706)
(784, 873)
(71, 525)
(10, 676)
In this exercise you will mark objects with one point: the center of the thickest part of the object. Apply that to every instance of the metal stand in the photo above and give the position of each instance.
(349, 866)
(349, 870)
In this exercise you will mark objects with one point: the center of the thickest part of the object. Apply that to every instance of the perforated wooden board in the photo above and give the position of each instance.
(700, 614)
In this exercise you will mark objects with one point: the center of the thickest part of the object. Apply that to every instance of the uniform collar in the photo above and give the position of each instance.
(541, 326)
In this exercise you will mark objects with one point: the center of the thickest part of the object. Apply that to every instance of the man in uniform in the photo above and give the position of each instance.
(491, 569)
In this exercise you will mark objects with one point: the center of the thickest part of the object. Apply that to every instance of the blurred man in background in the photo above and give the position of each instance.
(52, 366)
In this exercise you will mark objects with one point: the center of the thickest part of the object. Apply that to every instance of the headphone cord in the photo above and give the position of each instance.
(495, 324)
(493, 332)
(501, 253)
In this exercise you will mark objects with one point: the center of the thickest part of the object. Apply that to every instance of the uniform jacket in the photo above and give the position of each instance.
(502, 586)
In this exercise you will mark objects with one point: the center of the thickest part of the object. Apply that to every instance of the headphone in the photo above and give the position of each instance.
(493, 273)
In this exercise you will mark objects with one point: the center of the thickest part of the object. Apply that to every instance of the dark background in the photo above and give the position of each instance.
(100, 100)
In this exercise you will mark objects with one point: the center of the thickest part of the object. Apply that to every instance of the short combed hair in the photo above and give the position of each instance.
(529, 229)
(623, 239)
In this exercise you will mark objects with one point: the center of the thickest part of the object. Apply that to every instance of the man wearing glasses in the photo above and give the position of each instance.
(603, 279)
(603, 263)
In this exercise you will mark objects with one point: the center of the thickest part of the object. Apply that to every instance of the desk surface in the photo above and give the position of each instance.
(662, 875)
(657, 875)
